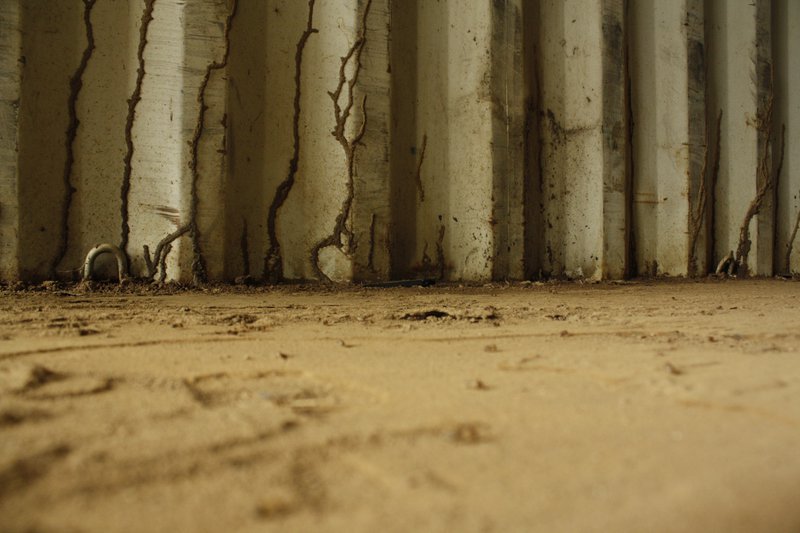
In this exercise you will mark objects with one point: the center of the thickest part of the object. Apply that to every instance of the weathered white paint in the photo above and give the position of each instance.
(497, 141)
(468, 148)
(738, 59)
(159, 200)
(432, 131)
(669, 135)
(582, 128)
(94, 214)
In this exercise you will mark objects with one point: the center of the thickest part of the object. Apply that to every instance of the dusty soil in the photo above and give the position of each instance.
(631, 407)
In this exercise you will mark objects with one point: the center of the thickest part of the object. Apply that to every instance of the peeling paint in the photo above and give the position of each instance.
(75, 84)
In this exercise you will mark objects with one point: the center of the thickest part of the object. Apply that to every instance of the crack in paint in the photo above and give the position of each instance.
(341, 116)
(764, 176)
(75, 84)
(418, 175)
(133, 102)
(273, 262)
(702, 197)
(198, 262)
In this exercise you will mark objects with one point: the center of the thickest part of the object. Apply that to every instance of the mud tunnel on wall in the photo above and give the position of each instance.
(352, 140)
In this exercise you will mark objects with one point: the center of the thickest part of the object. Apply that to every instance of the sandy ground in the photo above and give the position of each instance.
(630, 407)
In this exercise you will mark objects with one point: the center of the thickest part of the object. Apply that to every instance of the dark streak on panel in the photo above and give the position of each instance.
(703, 160)
(75, 85)
(707, 183)
(539, 116)
(776, 180)
(371, 254)
(527, 136)
(133, 102)
(631, 267)
(440, 259)
(615, 140)
(245, 247)
(273, 262)
(418, 174)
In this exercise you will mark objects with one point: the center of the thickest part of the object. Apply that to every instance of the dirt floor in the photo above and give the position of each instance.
(536, 407)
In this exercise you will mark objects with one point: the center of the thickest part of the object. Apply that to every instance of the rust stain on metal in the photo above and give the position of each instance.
(341, 116)
(75, 85)
(273, 262)
(133, 102)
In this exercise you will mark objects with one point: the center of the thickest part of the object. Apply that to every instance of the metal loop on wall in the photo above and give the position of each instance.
(122, 260)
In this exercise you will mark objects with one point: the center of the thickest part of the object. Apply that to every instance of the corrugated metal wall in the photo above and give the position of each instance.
(377, 139)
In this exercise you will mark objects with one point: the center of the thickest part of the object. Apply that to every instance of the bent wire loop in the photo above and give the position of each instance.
(105, 248)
